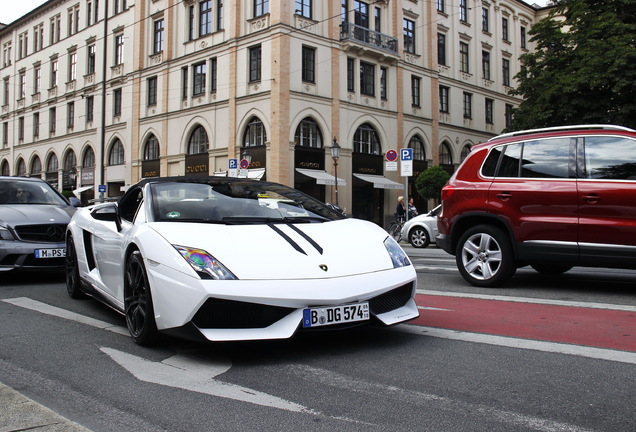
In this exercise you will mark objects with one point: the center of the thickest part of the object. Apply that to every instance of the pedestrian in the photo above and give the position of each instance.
(400, 210)
(412, 209)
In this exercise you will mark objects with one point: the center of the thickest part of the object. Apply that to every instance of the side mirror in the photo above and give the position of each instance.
(75, 202)
(108, 213)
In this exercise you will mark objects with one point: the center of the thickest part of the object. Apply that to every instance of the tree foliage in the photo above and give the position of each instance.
(430, 182)
(583, 70)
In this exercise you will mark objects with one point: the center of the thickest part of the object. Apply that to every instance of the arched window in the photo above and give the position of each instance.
(445, 156)
(151, 150)
(36, 166)
(4, 169)
(308, 134)
(417, 145)
(89, 158)
(21, 167)
(116, 155)
(52, 165)
(255, 134)
(366, 140)
(198, 141)
(465, 152)
(70, 161)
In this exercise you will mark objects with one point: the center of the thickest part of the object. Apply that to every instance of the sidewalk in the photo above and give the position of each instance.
(19, 413)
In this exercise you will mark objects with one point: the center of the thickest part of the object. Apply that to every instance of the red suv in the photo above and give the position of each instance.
(550, 198)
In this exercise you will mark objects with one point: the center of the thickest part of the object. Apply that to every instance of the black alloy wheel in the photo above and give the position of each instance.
(73, 284)
(140, 315)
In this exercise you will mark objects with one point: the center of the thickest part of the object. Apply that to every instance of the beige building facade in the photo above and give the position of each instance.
(106, 92)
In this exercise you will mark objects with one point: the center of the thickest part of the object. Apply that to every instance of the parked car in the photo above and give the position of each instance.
(221, 259)
(420, 230)
(33, 220)
(550, 198)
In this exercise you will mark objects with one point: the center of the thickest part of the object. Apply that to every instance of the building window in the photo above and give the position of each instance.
(255, 64)
(37, 80)
(90, 60)
(350, 74)
(415, 91)
(89, 13)
(198, 142)
(36, 167)
(445, 156)
(523, 37)
(468, 105)
(52, 165)
(52, 120)
(441, 49)
(72, 66)
(378, 19)
(213, 74)
(6, 54)
(22, 89)
(383, 83)
(504, 29)
(485, 20)
(464, 153)
(89, 158)
(120, 6)
(308, 134)
(366, 140)
(508, 115)
(4, 170)
(116, 155)
(198, 79)
(23, 42)
(21, 168)
(5, 91)
(90, 103)
(151, 150)
(70, 115)
(255, 134)
(152, 91)
(219, 14)
(205, 17)
(117, 102)
(36, 125)
(119, 49)
(5, 134)
(20, 129)
(417, 145)
(463, 11)
(261, 7)
(409, 36)
(56, 25)
(73, 20)
(184, 82)
(303, 8)
(464, 61)
(485, 64)
(505, 68)
(157, 44)
(191, 24)
(309, 64)
(54, 79)
(489, 111)
(444, 93)
(441, 7)
(38, 37)
(367, 79)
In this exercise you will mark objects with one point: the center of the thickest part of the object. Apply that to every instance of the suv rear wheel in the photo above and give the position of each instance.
(484, 256)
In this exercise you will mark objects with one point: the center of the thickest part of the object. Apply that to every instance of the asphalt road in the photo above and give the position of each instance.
(74, 358)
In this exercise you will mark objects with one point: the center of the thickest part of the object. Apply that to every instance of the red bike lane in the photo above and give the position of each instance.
(592, 327)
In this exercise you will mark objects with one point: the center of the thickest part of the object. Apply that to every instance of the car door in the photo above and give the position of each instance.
(534, 191)
(607, 200)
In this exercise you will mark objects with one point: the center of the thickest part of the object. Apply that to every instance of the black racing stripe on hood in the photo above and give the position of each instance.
(306, 237)
(289, 240)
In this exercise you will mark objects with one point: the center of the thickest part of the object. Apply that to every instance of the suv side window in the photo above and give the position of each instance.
(612, 158)
(532, 159)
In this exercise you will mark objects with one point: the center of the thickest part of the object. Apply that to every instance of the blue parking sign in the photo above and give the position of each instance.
(233, 163)
(406, 154)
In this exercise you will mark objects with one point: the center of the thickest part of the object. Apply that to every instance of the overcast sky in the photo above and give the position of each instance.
(11, 10)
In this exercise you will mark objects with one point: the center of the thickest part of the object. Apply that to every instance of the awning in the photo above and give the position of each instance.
(380, 182)
(78, 191)
(322, 177)
(256, 173)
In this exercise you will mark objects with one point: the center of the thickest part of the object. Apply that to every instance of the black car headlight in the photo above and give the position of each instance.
(206, 266)
(5, 234)
(396, 253)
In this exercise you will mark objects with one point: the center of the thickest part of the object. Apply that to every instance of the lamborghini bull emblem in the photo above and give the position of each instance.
(323, 267)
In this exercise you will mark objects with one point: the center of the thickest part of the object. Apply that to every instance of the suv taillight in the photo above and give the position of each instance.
(447, 191)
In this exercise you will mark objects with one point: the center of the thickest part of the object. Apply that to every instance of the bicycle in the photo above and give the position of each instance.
(395, 228)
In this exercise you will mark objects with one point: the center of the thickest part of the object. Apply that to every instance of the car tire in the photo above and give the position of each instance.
(551, 269)
(484, 256)
(418, 237)
(138, 308)
(73, 284)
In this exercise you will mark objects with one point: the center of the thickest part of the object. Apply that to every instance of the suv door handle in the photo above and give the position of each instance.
(591, 198)
(504, 195)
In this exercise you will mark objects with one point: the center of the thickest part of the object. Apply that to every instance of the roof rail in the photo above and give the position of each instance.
(563, 128)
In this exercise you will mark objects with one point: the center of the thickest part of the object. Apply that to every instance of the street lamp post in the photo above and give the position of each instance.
(335, 155)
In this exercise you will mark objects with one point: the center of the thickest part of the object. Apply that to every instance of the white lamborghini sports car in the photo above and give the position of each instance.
(225, 259)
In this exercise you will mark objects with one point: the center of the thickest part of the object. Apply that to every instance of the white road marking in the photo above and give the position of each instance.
(425, 267)
(625, 308)
(437, 309)
(510, 342)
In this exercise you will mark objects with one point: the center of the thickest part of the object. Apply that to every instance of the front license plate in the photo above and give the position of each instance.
(50, 253)
(323, 316)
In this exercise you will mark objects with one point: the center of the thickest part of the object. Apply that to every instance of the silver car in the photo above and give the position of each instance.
(421, 229)
(33, 220)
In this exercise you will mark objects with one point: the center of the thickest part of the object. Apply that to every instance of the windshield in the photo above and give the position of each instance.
(28, 192)
(236, 202)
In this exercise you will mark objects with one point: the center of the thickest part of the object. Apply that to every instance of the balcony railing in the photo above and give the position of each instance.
(374, 39)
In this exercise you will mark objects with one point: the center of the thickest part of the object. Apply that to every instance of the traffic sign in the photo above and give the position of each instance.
(233, 163)
(244, 164)
(406, 162)
(406, 154)
(391, 155)
(101, 188)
